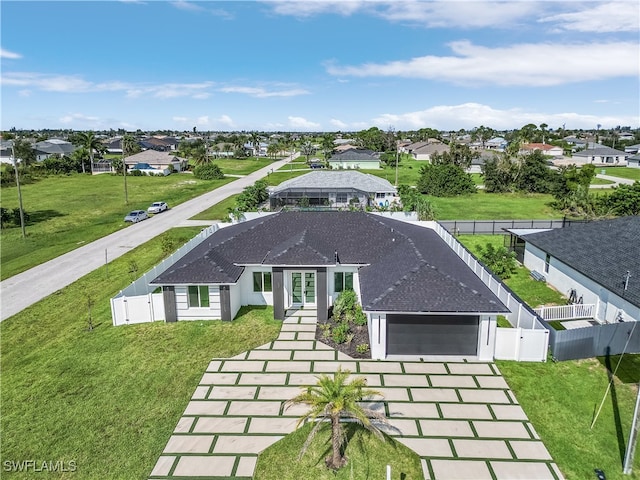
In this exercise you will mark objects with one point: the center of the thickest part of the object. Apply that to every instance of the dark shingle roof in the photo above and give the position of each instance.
(353, 154)
(404, 267)
(603, 251)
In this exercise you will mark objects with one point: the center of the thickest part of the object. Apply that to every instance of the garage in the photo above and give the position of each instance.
(432, 335)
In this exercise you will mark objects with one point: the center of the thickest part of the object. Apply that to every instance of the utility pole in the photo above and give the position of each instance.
(124, 171)
(15, 167)
(633, 437)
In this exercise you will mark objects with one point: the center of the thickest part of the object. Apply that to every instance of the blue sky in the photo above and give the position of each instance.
(319, 66)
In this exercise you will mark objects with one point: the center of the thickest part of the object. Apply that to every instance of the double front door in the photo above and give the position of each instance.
(303, 289)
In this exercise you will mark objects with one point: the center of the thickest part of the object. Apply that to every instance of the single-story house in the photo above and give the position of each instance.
(632, 149)
(354, 159)
(545, 148)
(335, 188)
(496, 143)
(419, 296)
(633, 162)
(425, 152)
(53, 146)
(114, 145)
(157, 160)
(598, 262)
(601, 155)
(6, 152)
(161, 143)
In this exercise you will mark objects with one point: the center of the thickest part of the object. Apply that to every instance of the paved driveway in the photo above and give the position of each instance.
(461, 418)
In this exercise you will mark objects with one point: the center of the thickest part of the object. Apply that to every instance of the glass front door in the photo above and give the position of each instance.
(303, 288)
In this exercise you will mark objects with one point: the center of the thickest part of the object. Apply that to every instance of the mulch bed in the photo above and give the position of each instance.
(361, 335)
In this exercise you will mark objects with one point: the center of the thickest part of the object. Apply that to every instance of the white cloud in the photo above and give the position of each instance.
(470, 115)
(24, 93)
(79, 118)
(259, 92)
(534, 65)
(339, 124)
(180, 119)
(202, 121)
(309, 8)
(599, 18)
(302, 123)
(10, 55)
(188, 6)
(225, 120)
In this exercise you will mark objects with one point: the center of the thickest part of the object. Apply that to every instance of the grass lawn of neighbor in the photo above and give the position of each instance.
(219, 211)
(622, 172)
(110, 398)
(242, 166)
(368, 457)
(67, 212)
(494, 206)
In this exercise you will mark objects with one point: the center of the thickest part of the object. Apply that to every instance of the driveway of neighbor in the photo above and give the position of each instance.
(27, 288)
(461, 418)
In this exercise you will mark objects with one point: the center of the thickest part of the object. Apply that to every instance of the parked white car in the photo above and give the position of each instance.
(157, 207)
(136, 216)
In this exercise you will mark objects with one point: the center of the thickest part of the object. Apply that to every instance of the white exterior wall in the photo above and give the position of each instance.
(377, 323)
(198, 313)
(331, 284)
(235, 294)
(565, 278)
(487, 337)
(245, 288)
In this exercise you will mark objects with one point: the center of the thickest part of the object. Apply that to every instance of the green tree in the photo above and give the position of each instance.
(372, 139)
(327, 144)
(445, 180)
(307, 149)
(482, 134)
(535, 176)
(254, 138)
(458, 155)
(208, 171)
(500, 261)
(624, 200)
(24, 153)
(92, 144)
(334, 398)
(500, 174)
(252, 196)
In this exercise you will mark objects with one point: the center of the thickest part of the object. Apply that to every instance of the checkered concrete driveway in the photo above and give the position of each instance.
(460, 418)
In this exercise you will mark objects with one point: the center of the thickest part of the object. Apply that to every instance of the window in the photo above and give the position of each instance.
(380, 195)
(341, 198)
(261, 281)
(198, 296)
(342, 281)
(547, 259)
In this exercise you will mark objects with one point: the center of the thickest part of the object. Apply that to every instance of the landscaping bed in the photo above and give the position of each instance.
(360, 337)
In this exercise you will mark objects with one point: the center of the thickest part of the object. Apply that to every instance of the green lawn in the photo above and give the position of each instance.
(280, 176)
(368, 458)
(242, 166)
(67, 212)
(494, 206)
(561, 399)
(601, 181)
(530, 291)
(219, 211)
(622, 172)
(110, 398)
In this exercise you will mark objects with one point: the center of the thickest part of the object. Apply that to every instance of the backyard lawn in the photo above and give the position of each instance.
(108, 398)
(67, 212)
(494, 206)
(242, 166)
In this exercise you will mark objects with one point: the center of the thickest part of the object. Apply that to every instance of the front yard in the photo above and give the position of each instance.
(108, 398)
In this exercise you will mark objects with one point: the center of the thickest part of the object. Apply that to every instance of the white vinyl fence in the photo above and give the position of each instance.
(567, 312)
(529, 340)
(137, 303)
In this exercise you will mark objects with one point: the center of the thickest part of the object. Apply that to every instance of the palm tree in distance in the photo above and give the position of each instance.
(334, 398)
(89, 141)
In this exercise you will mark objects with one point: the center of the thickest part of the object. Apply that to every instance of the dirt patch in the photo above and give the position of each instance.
(360, 337)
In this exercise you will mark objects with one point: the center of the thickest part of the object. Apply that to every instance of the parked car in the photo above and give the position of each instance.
(136, 216)
(316, 165)
(157, 207)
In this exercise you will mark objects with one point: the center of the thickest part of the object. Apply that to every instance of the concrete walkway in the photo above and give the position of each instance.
(461, 418)
(27, 288)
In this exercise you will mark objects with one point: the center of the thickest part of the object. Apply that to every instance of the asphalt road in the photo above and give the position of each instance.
(27, 288)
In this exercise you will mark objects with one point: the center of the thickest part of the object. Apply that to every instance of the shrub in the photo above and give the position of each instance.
(501, 261)
(349, 339)
(345, 305)
(362, 348)
(360, 318)
(325, 330)
(209, 171)
(168, 245)
(340, 332)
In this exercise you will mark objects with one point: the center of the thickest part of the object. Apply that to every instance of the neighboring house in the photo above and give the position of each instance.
(632, 149)
(337, 188)
(419, 296)
(344, 147)
(633, 162)
(114, 145)
(601, 155)
(599, 261)
(626, 136)
(545, 148)
(160, 143)
(354, 159)
(157, 160)
(426, 151)
(496, 143)
(6, 154)
(53, 146)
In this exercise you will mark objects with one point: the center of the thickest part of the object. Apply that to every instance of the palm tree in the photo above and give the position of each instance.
(255, 142)
(89, 141)
(334, 399)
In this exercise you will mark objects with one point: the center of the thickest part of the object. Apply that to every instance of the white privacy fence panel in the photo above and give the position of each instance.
(521, 316)
(136, 303)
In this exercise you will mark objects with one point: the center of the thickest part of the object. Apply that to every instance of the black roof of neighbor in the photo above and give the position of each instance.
(404, 267)
(603, 250)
